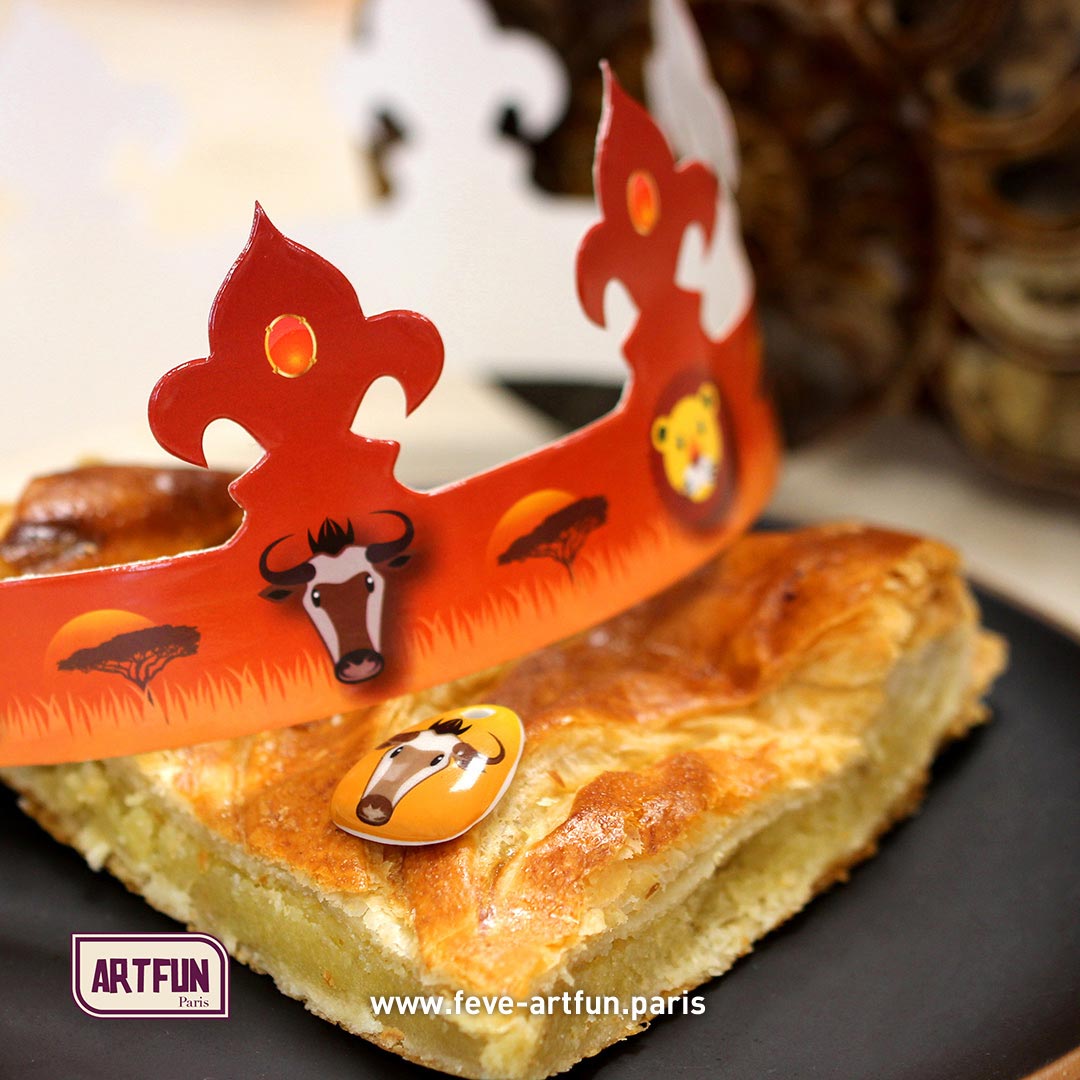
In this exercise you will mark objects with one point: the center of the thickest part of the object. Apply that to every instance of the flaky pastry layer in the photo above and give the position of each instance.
(695, 770)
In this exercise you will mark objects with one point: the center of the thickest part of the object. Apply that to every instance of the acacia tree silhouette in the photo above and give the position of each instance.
(560, 536)
(138, 655)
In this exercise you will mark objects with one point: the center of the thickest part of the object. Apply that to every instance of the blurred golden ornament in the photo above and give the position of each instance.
(910, 194)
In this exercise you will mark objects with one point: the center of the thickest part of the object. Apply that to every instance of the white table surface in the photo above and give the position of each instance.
(910, 473)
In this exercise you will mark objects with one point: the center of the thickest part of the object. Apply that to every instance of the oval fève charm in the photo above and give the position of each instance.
(433, 781)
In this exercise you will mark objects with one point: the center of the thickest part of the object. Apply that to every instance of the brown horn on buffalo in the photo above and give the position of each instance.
(463, 753)
(295, 575)
(378, 553)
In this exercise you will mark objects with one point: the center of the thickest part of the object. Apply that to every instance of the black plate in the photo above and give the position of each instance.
(953, 955)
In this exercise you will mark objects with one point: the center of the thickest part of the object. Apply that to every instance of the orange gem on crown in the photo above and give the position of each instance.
(642, 201)
(290, 346)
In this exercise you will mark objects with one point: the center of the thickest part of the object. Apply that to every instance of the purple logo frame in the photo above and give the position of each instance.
(141, 972)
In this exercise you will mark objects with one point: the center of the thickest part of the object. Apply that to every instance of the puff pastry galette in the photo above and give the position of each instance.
(695, 771)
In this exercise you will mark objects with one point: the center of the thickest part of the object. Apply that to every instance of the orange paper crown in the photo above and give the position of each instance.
(342, 586)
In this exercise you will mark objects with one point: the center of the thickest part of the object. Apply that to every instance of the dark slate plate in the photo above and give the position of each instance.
(953, 955)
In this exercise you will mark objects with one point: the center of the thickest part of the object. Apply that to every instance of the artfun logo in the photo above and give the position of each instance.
(144, 975)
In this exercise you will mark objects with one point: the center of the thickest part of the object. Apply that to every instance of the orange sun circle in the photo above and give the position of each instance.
(90, 629)
(524, 516)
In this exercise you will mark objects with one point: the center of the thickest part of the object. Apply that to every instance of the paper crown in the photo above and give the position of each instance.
(344, 587)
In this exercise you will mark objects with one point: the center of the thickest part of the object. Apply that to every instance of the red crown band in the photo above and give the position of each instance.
(344, 587)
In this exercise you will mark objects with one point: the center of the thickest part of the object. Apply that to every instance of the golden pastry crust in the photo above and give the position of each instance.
(668, 716)
(695, 769)
(100, 515)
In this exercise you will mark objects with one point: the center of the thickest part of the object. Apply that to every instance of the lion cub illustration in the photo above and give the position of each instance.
(688, 439)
